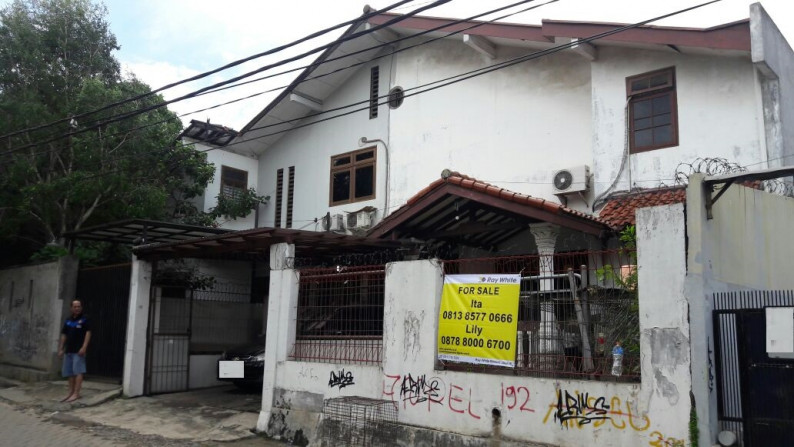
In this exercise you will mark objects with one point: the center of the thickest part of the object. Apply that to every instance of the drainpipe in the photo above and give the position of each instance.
(364, 141)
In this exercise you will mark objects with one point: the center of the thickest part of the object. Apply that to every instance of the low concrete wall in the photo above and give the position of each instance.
(437, 407)
(34, 300)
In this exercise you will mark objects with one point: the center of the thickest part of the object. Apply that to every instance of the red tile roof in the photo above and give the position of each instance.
(619, 210)
(464, 181)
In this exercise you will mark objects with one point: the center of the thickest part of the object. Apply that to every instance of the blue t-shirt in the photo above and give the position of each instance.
(75, 329)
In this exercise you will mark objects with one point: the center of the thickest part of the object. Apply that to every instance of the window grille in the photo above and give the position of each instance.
(359, 421)
(567, 329)
(340, 315)
(234, 182)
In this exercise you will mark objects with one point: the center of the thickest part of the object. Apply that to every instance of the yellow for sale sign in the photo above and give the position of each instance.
(477, 320)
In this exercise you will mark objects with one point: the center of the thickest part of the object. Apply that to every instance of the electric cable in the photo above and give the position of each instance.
(213, 71)
(446, 25)
(470, 74)
(345, 37)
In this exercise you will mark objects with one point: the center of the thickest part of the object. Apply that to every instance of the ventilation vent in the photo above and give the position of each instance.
(396, 97)
(279, 197)
(374, 84)
(290, 194)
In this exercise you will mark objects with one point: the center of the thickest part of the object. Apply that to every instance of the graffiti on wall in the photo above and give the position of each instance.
(578, 410)
(411, 390)
(23, 337)
(341, 379)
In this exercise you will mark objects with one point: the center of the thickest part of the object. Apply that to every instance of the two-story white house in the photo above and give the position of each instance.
(375, 119)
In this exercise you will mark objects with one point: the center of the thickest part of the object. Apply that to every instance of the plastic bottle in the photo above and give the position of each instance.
(617, 360)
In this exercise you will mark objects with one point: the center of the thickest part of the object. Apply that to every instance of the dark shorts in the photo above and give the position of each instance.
(73, 365)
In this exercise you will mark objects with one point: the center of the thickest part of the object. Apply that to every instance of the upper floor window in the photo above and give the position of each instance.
(653, 117)
(353, 176)
(234, 182)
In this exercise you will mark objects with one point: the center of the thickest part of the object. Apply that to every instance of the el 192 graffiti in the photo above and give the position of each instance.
(412, 390)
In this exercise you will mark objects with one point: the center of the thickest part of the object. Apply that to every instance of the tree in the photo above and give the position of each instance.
(56, 61)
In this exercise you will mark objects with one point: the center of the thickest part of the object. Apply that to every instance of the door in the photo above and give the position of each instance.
(168, 356)
(105, 294)
(769, 382)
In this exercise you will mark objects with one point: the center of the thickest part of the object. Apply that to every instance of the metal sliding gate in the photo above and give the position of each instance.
(755, 393)
(105, 294)
(168, 341)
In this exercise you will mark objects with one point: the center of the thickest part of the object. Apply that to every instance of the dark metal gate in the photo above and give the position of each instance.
(755, 393)
(168, 341)
(105, 294)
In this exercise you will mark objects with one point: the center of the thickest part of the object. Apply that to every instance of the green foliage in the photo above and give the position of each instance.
(694, 432)
(55, 62)
(238, 205)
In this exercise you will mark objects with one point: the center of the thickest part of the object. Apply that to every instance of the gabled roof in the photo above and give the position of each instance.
(471, 212)
(328, 72)
(620, 209)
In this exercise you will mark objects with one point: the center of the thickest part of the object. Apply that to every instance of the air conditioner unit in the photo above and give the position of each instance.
(359, 220)
(572, 180)
(334, 222)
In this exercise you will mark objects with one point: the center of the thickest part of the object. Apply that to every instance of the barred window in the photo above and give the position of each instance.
(234, 182)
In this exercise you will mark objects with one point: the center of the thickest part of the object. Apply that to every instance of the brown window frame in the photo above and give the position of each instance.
(352, 166)
(242, 185)
(667, 89)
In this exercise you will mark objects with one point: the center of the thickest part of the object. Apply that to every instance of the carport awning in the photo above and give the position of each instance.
(256, 242)
(463, 210)
(142, 231)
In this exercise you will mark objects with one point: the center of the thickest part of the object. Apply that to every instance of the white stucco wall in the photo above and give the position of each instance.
(513, 127)
(657, 410)
(310, 149)
(516, 126)
(220, 157)
(718, 116)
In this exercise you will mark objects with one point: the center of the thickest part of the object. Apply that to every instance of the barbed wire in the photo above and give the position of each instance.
(721, 166)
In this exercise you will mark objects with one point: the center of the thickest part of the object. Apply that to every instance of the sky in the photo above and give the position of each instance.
(163, 41)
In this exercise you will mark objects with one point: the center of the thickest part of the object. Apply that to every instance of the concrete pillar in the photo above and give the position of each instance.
(137, 325)
(664, 317)
(282, 311)
(410, 311)
(546, 240)
(698, 293)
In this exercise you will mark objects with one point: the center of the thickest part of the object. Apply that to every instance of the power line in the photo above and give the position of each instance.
(446, 25)
(467, 75)
(345, 37)
(211, 72)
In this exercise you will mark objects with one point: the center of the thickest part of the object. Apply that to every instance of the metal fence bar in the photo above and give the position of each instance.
(573, 307)
(340, 315)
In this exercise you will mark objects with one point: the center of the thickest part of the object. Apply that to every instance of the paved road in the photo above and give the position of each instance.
(22, 429)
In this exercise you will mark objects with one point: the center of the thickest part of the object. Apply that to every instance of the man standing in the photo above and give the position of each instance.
(75, 336)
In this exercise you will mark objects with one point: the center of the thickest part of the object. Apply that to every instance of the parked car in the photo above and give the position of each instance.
(244, 365)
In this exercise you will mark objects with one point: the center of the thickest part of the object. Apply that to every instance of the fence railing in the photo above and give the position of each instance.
(574, 308)
(340, 315)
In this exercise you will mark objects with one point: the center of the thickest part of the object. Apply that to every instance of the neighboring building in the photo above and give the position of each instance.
(234, 173)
